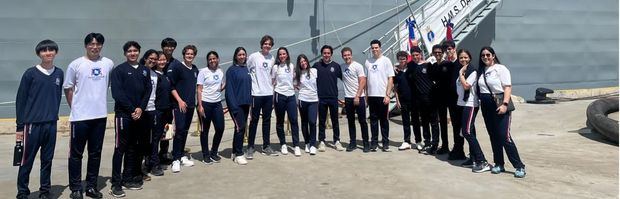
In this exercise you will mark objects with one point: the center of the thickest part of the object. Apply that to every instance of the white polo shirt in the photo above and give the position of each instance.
(350, 77)
(89, 80)
(284, 76)
(497, 76)
(379, 70)
(472, 101)
(211, 82)
(307, 86)
(260, 66)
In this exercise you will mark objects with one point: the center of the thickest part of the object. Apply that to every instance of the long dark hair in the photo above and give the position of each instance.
(481, 64)
(288, 57)
(214, 54)
(298, 68)
(237, 52)
(146, 56)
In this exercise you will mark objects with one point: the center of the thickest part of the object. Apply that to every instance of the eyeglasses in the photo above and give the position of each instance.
(487, 55)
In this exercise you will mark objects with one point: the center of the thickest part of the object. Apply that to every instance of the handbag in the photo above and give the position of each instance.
(499, 98)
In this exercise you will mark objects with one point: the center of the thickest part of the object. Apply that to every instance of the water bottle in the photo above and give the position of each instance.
(18, 153)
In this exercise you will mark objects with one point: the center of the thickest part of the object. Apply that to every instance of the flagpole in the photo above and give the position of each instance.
(421, 40)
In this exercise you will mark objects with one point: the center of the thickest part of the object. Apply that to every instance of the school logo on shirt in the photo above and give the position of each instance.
(287, 70)
(95, 72)
(57, 81)
(216, 77)
(444, 69)
(331, 69)
(308, 76)
(144, 73)
(424, 70)
(374, 67)
(195, 74)
(265, 64)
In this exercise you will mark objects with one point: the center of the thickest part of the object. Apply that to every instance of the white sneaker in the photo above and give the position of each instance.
(312, 150)
(338, 146)
(240, 160)
(404, 146)
(321, 146)
(297, 151)
(307, 149)
(419, 146)
(284, 149)
(176, 166)
(186, 162)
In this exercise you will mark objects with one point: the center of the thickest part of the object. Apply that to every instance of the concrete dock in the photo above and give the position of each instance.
(563, 160)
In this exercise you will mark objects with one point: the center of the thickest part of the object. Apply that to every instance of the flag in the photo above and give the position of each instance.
(449, 27)
(410, 26)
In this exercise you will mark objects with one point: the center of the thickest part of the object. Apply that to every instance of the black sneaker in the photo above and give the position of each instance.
(22, 196)
(442, 150)
(386, 148)
(430, 150)
(373, 147)
(207, 161)
(468, 163)
(481, 167)
(45, 195)
(76, 195)
(454, 155)
(157, 171)
(269, 152)
(93, 193)
(216, 158)
(366, 148)
(351, 147)
(132, 186)
(117, 192)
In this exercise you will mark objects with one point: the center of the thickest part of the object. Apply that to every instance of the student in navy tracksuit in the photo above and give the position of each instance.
(405, 101)
(167, 46)
(210, 85)
(36, 108)
(183, 78)
(238, 99)
(149, 116)
(86, 89)
(418, 75)
(328, 73)
(158, 105)
(131, 88)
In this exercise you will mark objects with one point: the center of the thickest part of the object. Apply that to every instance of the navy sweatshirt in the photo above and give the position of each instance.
(183, 80)
(238, 87)
(38, 97)
(172, 61)
(445, 74)
(401, 85)
(131, 88)
(327, 79)
(162, 92)
(420, 79)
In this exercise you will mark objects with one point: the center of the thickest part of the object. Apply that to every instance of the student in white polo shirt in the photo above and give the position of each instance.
(354, 79)
(259, 64)
(380, 78)
(210, 85)
(283, 73)
(86, 89)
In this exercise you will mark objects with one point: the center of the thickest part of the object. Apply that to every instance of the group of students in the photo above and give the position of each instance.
(157, 90)
(428, 90)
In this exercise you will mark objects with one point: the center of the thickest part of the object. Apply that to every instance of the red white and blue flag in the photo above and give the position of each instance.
(449, 27)
(410, 26)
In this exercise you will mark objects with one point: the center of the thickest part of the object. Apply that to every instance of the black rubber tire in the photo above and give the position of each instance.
(598, 121)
